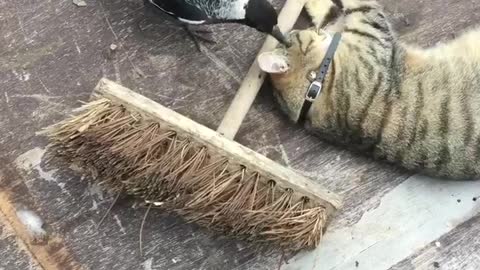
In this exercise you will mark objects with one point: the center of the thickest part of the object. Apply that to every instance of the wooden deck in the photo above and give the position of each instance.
(52, 53)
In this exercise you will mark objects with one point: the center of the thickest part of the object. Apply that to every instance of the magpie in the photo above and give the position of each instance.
(257, 14)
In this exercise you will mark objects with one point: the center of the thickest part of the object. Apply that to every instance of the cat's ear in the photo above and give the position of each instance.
(273, 62)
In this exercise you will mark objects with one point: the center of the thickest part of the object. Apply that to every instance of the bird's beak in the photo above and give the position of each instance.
(277, 34)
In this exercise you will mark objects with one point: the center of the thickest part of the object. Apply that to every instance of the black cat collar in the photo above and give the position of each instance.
(315, 87)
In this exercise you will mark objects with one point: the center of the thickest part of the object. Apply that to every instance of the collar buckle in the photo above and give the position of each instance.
(313, 91)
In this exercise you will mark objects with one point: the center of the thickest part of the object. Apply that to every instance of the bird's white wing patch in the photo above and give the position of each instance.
(190, 21)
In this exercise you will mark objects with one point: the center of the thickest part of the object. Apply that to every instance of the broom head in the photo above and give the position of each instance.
(133, 145)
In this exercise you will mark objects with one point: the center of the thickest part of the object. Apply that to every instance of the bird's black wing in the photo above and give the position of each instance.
(184, 10)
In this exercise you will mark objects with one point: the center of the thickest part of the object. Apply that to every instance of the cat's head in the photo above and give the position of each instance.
(292, 69)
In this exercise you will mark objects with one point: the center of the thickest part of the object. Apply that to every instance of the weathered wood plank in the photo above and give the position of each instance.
(415, 213)
(12, 251)
(52, 54)
(456, 250)
(427, 22)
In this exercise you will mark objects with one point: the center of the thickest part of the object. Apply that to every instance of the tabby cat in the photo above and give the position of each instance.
(419, 108)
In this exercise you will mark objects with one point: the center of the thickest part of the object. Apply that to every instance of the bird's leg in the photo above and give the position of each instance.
(196, 35)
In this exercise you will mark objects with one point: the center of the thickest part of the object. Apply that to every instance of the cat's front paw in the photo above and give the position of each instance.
(321, 12)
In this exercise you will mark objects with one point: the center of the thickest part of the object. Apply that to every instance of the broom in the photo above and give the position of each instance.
(133, 145)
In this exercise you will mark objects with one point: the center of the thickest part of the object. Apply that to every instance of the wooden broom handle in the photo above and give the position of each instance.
(252, 82)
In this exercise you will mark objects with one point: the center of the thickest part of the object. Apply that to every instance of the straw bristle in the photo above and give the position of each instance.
(129, 153)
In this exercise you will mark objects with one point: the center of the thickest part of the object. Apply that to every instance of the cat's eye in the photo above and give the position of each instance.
(312, 75)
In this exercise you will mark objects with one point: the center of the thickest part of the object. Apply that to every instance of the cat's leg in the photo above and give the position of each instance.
(321, 12)
(327, 12)
(365, 20)
(352, 4)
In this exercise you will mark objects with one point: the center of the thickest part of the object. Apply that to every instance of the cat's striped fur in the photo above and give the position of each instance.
(419, 108)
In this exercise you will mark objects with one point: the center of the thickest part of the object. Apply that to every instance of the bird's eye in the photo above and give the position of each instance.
(311, 75)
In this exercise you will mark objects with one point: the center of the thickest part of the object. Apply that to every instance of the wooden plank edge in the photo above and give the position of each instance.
(52, 255)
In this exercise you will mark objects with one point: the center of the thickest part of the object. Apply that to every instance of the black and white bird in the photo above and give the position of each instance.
(258, 14)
